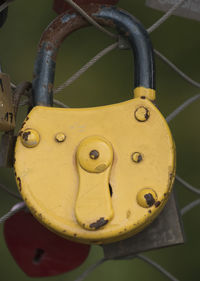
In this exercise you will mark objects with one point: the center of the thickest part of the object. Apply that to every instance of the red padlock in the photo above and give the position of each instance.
(39, 252)
(61, 6)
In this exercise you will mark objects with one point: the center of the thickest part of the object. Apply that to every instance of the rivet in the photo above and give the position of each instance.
(94, 154)
(30, 138)
(146, 197)
(142, 114)
(60, 137)
(136, 157)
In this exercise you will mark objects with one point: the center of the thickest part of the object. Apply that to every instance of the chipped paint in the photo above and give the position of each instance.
(99, 223)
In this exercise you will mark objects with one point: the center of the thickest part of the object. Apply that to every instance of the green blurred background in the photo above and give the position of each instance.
(110, 81)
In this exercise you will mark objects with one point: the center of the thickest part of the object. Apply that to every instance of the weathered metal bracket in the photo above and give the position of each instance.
(165, 231)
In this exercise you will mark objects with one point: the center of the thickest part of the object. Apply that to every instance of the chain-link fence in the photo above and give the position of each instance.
(123, 45)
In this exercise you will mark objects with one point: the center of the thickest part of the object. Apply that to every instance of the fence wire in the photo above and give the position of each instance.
(169, 118)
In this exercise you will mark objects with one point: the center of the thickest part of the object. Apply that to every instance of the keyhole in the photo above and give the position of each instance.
(39, 253)
(110, 189)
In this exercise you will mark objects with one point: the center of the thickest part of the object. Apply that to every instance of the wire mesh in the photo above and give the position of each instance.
(169, 118)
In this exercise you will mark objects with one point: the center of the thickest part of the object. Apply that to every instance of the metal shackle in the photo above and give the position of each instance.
(63, 25)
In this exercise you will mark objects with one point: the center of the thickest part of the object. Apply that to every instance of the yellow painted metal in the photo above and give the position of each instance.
(145, 92)
(142, 114)
(147, 197)
(60, 137)
(87, 162)
(30, 138)
(58, 181)
(7, 117)
(137, 157)
(93, 207)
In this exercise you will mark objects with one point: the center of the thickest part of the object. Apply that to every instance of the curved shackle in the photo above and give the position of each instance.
(64, 24)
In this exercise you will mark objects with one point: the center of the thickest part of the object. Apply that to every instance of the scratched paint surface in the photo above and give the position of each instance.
(48, 177)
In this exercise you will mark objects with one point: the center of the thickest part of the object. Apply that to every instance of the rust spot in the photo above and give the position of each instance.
(100, 168)
(127, 33)
(48, 47)
(157, 204)
(149, 211)
(96, 241)
(25, 135)
(23, 124)
(19, 183)
(146, 116)
(33, 210)
(75, 234)
(99, 223)
(50, 87)
(20, 133)
(143, 97)
(149, 199)
(63, 25)
(27, 118)
(40, 215)
(171, 176)
(128, 214)
(64, 231)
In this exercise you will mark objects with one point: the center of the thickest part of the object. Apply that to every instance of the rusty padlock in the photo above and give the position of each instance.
(7, 117)
(95, 175)
(8, 139)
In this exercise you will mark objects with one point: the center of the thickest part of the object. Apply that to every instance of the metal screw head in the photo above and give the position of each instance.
(146, 197)
(60, 137)
(136, 157)
(142, 114)
(30, 138)
(94, 154)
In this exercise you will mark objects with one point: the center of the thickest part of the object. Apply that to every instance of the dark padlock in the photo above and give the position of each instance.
(73, 167)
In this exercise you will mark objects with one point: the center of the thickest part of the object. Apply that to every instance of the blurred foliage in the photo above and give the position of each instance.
(110, 81)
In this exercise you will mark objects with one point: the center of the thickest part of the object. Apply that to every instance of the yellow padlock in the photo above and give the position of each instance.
(95, 175)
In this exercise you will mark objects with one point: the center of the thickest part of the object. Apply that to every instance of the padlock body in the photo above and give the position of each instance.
(7, 117)
(55, 183)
